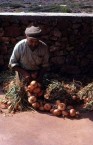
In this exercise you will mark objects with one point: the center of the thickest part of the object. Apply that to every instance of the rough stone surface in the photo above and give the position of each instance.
(12, 31)
(70, 40)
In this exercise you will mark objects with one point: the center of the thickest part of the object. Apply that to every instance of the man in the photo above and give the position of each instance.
(30, 57)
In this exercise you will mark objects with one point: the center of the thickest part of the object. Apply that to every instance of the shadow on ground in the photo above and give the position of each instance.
(83, 115)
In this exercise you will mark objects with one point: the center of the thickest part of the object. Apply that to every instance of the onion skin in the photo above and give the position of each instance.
(40, 94)
(37, 90)
(51, 110)
(32, 86)
(3, 106)
(9, 103)
(72, 112)
(57, 112)
(61, 106)
(10, 108)
(41, 108)
(47, 107)
(36, 105)
(34, 83)
(46, 96)
(32, 99)
(19, 108)
(77, 114)
(65, 113)
(87, 100)
(74, 97)
(30, 89)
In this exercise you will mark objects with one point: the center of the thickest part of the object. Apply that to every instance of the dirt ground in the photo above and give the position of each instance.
(75, 6)
(34, 128)
(41, 129)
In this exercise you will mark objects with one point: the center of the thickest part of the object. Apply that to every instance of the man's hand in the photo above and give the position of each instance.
(25, 74)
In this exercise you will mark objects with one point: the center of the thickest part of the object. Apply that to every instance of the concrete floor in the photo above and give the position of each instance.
(33, 128)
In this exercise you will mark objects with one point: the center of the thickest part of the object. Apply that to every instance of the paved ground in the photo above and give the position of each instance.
(33, 128)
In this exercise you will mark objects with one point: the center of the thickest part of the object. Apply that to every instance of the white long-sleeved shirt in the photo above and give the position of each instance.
(23, 56)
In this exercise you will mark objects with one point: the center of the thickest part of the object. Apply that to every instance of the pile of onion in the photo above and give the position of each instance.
(35, 89)
(60, 109)
(57, 109)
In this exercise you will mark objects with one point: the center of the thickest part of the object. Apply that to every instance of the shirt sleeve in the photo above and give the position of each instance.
(14, 59)
(46, 58)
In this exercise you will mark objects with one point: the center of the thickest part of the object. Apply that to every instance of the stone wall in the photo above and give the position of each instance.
(70, 40)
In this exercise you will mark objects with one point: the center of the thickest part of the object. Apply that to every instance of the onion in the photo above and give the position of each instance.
(9, 103)
(58, 102)
(41, 108)
(57, 112)
(87, 100)
(72, 112)
(34, 84)
(77, 114)
(74, 97)
(3, 106)
(40, 93)
(30, 88)
(32, 99)
(47, 107)
(51, 110)
(37, 90)
(65, 113)
(61, 106)
(29, 94)
(19, 108)
(36, 105)
(46, 96)
(26, 88)
(10, 108)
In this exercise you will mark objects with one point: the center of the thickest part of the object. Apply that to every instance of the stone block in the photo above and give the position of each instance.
(70, 69)
(1, 60)
(12, 31)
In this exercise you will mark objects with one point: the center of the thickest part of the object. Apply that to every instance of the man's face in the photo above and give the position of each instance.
(32, 42)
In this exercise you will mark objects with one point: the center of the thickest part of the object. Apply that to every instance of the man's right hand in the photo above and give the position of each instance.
(25, 74)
